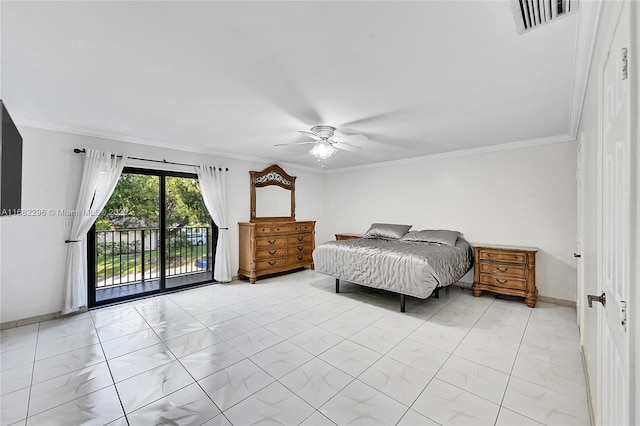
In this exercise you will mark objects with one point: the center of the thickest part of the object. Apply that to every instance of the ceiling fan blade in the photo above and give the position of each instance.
(345, 146)
(343, 138)
(295, 143)
(311, 135)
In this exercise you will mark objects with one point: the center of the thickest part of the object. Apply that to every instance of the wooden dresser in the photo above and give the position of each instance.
(508, 270)
(270, 247)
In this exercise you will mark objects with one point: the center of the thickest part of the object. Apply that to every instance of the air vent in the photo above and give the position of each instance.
(531, 14)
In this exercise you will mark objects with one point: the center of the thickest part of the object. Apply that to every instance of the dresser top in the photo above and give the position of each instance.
(503, 247)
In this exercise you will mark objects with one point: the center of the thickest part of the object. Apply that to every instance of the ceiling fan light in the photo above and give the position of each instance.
(323, 150)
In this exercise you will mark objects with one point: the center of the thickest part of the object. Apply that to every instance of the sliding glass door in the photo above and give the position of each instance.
(153, 235)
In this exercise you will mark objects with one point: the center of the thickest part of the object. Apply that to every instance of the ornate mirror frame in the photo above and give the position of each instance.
(272, 175)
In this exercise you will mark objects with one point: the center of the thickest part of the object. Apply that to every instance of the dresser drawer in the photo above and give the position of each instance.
(269, 242)
(300, 249)
(299, 239)
(302, 259)
(305, 227)
(500, 269)
(262, 230)
(262, 265)
(503, 256)
(271, 253)
(504, 282)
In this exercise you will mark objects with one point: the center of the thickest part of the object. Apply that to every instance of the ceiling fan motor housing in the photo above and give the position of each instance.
(325, 132)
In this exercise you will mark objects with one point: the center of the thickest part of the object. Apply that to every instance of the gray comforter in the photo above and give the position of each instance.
(405, 267)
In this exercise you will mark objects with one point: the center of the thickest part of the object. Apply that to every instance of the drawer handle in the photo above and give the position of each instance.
(300, 238)
(264, 229)
(271, 242)
(278, 229)
(501, 281)
(272, 262)
(300, 248)
(300, 257)
(273, 252)
(501, 270)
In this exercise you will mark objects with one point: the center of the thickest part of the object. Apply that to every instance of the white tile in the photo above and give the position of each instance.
(555, 349)
(449, 405)
(507, 417)
(395, 379)
(233, 328)
(67, 362)
(139, 361)
(105, 316)
(13, 406)
(379, 339)
(219, 420)
(273, 405)
(97, 408)
(193, 342)
(210, 360)
(281, 359)
(143, 389)
(53, 392)
(17, 357)
(130, 343)
(482, 381)
(551, 376)
(113, 331)
(63, 329)
(316, 340)
(442, 337)
(267, 315)
(216, 316)
(18, 337)
(489, 349)
(255, 341)
(316, 381)
(289, 326)
(15, 379)
(158, 318)
(318, 314)
(233, 384)
(419, 356)
(413, 418)
(359, 404)
(544, 405)
(317, 419)
(66, 344)
(171, 330)
(187, 406)
(350, 357)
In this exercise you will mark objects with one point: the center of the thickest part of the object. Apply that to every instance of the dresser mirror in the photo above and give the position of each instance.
(272, 195)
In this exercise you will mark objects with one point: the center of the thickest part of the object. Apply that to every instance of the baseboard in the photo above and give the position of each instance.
(38, 318)
(562, 302)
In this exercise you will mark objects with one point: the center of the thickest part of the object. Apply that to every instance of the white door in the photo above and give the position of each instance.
(615, 241)
(581, 293)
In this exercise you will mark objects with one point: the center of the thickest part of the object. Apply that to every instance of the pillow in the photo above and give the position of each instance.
(439, 237)
(387, 230)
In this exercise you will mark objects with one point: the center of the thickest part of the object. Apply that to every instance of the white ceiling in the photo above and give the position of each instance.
(235, 78)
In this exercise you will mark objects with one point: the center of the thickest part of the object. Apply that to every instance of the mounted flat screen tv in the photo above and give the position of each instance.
(10, 166)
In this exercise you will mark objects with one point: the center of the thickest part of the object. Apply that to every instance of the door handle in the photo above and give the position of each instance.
(593, 298)
(577, 255)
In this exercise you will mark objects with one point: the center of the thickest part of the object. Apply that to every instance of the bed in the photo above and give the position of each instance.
(390, 257)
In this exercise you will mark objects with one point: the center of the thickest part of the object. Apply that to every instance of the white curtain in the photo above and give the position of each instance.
(213, 184)
(99, 178)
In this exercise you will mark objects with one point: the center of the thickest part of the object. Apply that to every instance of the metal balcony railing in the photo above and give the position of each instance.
(126, 256)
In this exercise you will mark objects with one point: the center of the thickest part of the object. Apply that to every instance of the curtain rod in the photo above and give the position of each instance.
(80, 151)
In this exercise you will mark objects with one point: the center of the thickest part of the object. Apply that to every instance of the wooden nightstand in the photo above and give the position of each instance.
(348, 236)
(509, 270)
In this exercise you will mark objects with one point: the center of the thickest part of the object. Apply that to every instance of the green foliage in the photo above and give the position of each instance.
(136, 199)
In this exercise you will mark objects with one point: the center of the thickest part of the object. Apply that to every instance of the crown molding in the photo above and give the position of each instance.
(586, 30)
(460, 153)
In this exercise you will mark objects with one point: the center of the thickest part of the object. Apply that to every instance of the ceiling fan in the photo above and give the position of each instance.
(326, 143)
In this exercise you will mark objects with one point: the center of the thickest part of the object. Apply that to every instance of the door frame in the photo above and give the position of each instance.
(91, 244)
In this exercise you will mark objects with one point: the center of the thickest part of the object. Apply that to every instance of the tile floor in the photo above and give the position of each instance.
(290, 351)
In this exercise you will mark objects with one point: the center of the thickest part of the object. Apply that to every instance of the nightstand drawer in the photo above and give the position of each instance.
(273, 263)
(504, 282)
(302, 259)
(502, 269)
(503, 256)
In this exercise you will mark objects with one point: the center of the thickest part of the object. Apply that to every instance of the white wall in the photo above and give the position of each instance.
(524, 196)
(33, 252)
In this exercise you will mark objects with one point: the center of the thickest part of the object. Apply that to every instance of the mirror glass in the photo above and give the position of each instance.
(273, 201)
